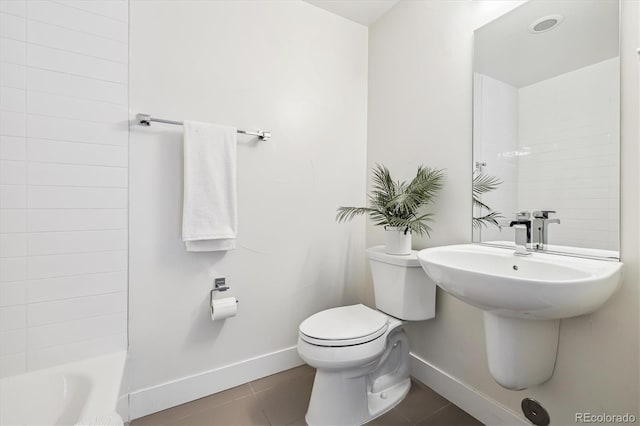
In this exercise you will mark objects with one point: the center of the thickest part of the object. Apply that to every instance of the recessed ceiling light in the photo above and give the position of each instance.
(546, 23)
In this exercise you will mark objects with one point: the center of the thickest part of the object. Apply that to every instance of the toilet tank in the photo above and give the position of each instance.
(402, 289)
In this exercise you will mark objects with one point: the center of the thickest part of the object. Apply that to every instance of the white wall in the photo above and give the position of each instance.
(63, 181)
(420, 100)
(568, 125)
(286, 67)
(495, 142)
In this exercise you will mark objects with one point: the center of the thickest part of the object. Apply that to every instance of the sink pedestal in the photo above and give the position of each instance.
(521, 352)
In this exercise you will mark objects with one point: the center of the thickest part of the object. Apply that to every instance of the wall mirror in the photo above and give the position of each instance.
(546, 127)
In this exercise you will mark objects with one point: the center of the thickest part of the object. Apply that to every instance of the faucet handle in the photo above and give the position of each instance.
(542, 214)
(523, 215)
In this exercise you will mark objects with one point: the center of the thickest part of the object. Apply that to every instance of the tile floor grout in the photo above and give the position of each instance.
(431, 415)
(253, 391)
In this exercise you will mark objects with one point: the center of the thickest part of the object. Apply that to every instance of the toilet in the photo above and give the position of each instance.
(361, 355)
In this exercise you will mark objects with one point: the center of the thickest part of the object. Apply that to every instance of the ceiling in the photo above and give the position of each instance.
(364, 12)
(506, 50)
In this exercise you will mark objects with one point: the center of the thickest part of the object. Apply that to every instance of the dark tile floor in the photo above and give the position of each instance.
(282, 399)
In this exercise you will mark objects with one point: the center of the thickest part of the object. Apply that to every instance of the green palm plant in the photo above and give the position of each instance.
(398, 204)
(481, 185)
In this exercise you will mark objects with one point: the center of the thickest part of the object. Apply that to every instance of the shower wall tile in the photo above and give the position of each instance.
(12, 99)
(13, 148)
(48, 357)
(63, 181)
(13, 342)
(56, 174)
(13, 245)
(13, 51)
(54, 197)
(13, 27)
(114, 9)
(44, 243)
(573, 144)
(77, 19)
(13, 196)
(65, 265)
(76, 63)
(50, 289)
(14, 7)
(12, 221)
(64, 129)
(58, 311)
(81, 42)
(13, 293)
(13, 172)
(72, 85)
(12, 75)
(75, 331)
(13, 317)
(51, 151)
(48, 220)
(70, 107)
(12, 123)
(11, 365)
(13, 269)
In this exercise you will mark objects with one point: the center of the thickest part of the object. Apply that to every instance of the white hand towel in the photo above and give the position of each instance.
(209, 212)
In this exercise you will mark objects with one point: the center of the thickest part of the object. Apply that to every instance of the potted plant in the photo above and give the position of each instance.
(398, 206)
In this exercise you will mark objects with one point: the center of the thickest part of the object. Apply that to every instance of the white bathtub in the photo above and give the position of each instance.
(80, 392)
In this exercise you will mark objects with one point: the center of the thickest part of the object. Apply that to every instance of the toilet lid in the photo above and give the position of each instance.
(344, 326)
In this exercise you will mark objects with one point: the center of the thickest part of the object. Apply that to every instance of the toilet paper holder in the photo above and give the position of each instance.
(219, 284)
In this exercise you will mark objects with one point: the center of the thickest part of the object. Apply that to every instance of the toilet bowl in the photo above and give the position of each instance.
(361, 355)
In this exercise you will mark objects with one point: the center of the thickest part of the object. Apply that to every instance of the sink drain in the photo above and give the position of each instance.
(535, 412)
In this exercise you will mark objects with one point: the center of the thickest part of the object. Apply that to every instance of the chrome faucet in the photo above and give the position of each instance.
(540, 228)
(522, 226)
(532, 233)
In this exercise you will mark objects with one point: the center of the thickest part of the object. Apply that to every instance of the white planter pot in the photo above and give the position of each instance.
(398, 242)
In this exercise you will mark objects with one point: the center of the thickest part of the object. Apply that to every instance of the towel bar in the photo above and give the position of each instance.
(146, 119)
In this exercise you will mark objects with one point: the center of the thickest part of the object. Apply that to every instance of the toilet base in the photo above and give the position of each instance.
(355, 396)
(381, 402)
(351, 405)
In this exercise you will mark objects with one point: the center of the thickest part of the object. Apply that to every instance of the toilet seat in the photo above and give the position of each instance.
(344, 326)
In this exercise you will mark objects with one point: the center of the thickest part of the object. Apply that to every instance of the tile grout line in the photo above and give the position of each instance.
(55, 163)
(264, 415)
(64, 95)
(25, 41)
(449, 403)
(61, 72)
(89, 11)
(28, 349)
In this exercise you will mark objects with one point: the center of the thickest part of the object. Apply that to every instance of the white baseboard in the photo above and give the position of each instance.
(487, 410)
(166, 395)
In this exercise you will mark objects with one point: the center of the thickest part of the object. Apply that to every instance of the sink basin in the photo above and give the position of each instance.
(523, 299)
(540, 286)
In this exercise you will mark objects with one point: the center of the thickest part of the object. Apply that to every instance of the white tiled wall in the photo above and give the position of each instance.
(555, 145)
(63, 181)
(570, 125)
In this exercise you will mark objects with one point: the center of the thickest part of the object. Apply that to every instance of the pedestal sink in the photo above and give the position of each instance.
(523, 299)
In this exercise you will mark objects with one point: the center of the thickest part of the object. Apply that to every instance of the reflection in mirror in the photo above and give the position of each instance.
(546, 124)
